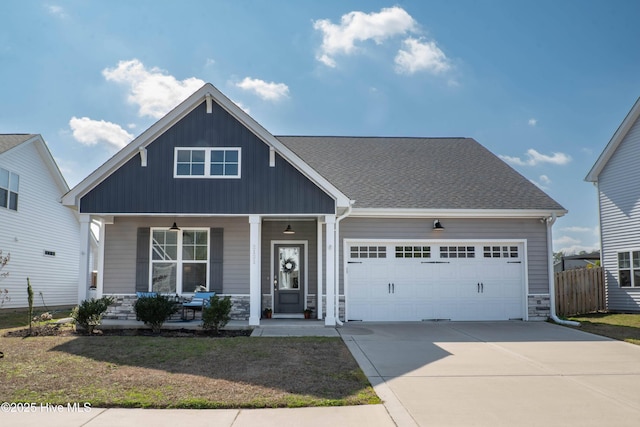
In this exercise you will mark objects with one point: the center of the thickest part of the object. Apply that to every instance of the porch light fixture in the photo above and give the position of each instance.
(174, 227)
(289, 230)
(437, 226)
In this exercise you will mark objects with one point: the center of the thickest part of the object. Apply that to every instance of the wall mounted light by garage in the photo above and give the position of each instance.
(437, 226)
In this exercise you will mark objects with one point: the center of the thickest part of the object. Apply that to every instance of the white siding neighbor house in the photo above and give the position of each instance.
(616, 174)
(41, 235)
(354, 228)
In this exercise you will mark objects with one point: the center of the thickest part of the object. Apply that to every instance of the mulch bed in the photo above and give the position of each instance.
(60, 330)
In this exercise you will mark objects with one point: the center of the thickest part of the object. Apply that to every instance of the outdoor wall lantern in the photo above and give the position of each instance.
(437, 226)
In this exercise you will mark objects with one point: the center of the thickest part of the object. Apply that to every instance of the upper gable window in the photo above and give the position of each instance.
(9, 185)
(210, 162)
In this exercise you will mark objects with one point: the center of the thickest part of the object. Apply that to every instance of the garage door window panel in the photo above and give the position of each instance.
(457, 252)
(413, 251)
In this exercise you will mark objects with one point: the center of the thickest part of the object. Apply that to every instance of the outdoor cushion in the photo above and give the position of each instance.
(146, 294)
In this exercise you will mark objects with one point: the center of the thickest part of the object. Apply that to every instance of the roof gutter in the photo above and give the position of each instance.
(336, 283)
(552, 288)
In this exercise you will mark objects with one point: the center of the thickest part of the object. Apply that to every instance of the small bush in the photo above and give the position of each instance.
(154, 311)
(89, 313)
(217, 314)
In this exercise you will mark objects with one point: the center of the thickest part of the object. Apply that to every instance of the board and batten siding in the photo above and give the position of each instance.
(619, 196)
(532, 230)
(261, 189)
(121, 242)
(41, 224)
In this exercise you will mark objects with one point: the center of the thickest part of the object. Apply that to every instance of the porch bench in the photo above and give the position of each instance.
(199, 301)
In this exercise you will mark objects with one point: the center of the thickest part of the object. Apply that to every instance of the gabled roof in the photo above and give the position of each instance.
(448, 174)
(615, 141)
(14, 141)
(208, 91)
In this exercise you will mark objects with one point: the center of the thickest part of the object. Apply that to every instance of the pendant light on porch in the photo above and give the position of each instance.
(289, 230)
(174, 227)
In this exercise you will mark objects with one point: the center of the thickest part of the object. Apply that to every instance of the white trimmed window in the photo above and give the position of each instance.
(179, 260)
(629, 269)
(207, 162)
(9, 185)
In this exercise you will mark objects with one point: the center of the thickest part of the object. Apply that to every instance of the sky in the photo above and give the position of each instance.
(543, 84)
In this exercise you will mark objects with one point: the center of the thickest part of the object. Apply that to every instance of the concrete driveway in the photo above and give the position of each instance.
(498, 374)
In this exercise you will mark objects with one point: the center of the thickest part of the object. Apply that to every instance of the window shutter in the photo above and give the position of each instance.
(215, 260)
(142, 259)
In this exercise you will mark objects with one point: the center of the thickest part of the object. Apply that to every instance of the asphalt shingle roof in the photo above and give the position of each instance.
(8, 141)
(418, 173)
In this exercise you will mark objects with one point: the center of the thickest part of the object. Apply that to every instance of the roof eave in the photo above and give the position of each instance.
(615, 141)
(456, 213)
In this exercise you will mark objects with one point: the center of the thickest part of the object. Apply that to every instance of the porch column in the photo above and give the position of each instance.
(330, 221)
(85, 257)
(101, 242)
(320, 291)
(255, 290)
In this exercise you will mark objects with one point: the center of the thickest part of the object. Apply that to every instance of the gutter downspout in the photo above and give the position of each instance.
(552, 288)
(336, 283)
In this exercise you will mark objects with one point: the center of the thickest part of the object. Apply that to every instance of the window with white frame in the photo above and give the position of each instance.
(207, 162)
(629, 269)
(9, 185)
(179, 260)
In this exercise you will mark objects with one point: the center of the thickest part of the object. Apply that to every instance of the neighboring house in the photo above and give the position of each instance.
(40, 234)
(616, 174)
(572, 262)
(355, 228)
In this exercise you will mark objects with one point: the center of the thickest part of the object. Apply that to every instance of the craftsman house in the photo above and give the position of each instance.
(392, 229)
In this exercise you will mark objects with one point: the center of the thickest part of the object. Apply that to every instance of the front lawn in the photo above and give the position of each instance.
(161, 372)
(623, 327)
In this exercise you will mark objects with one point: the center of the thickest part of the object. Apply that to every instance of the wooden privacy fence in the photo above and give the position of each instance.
(579, 291)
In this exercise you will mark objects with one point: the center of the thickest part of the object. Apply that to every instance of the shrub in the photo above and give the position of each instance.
(154, 311)
(217, 314)
(89, 313)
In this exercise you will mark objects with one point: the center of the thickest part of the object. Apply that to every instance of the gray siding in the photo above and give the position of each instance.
(619, 194)
(121, 253)
(530, 229)
(153, 189)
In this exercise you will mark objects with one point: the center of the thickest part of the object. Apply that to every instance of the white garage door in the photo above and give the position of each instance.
(413, 281)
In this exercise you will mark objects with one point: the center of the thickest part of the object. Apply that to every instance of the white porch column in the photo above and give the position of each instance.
(330, 260)
(101, 242)
(320, 291)
(255, 290)
(84, 271)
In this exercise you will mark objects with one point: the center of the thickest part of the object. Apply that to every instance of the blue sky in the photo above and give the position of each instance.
(543, 84)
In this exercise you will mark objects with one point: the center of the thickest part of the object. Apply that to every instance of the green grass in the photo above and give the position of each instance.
(623, 327)
(177, 372)
(16, 317)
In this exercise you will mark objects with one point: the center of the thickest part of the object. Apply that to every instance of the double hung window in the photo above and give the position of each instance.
(629, 269)
(9, 185)
(179, 260)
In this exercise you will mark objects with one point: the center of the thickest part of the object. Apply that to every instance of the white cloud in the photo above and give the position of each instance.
(535, 158)
(358, 27)
(533, 122)
(576, 249)
(154, 91)
(56, 10)
(267, 91)
(575, 229)
(545, 180)
(91, 132)
(566, 240)
(418, 55)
